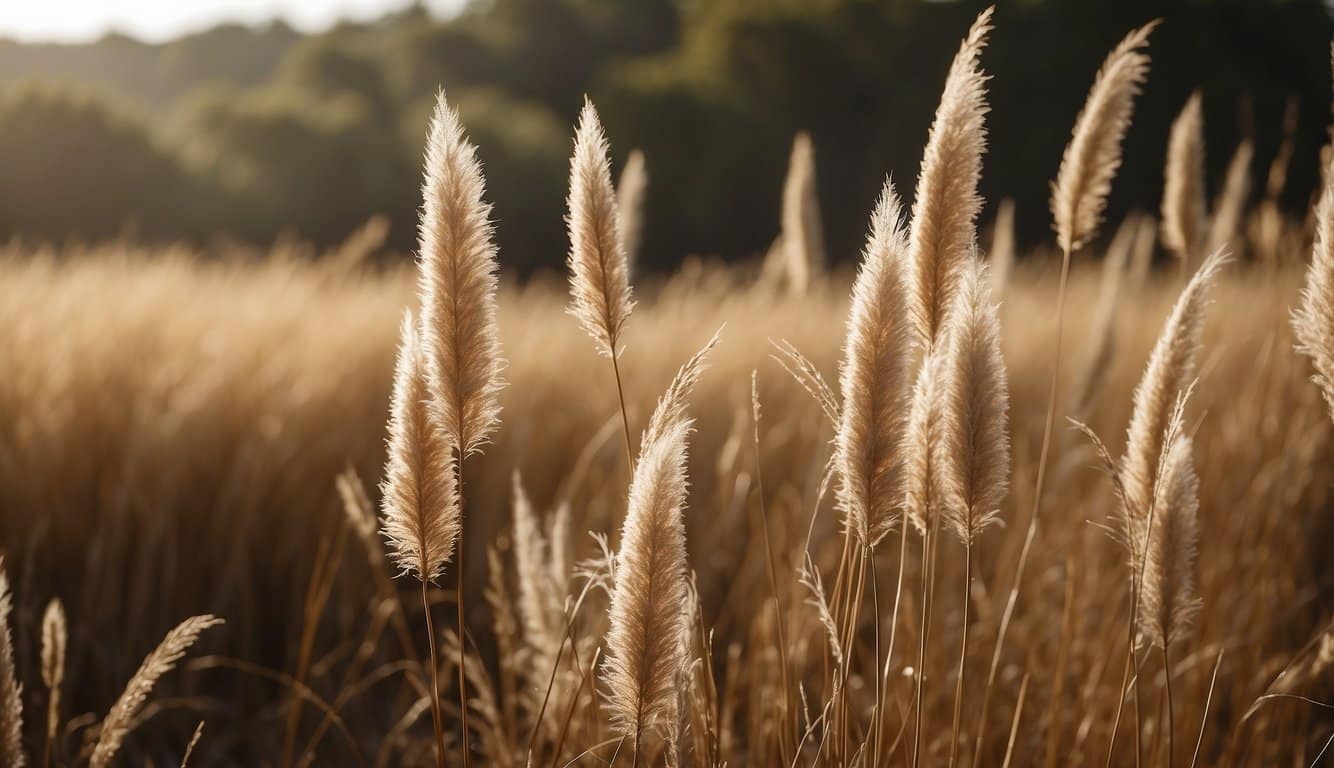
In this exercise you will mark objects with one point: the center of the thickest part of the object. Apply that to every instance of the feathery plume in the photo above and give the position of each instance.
(803, 237)
(1002, 247)
(1313, 320)
(54, 639)
(540, 627)
(971, 454)
(946, 204)
(630, 190)
(874, 378)
(808, 376)
(646, 642)
(919, 477)
(600, 294)
(1184, 207)
(457, 275)
(420, 501)
(1168, 602)
(672, 405)
(194, 742)
(1231, 202)
(357, 505)
(11, 693)
(1170, 369)
(120, 720)
(1093, 156)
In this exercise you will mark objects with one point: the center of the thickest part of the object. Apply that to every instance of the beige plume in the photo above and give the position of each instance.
(1170, 370)
(631, 188)
(1168, 602)
(946, 205)
(419, 496)
(543, 627)
(1184, 206)
(461, 349)
(11, 692)
(671, 406)
(1313, 320)
(1093, 156)
(649, 629)
(874, 378)
(919, 476)
(971, 451)
(600, 294)
(803, 235)
(121, 719)
(55, 636)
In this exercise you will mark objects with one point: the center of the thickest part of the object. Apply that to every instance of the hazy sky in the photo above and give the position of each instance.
(78, 20)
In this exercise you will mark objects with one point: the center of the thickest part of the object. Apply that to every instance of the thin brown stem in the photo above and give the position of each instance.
(1167, 683)
(625, 420)
(1014, 724)
(788, 708)
(1008, 614)
(893, 631)
(1204, 718)
(1120, 707)
(963, 651)
(928, 576)
(435, 681)
(463, 631)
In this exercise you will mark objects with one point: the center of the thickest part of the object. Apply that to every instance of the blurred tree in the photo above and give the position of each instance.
(316, 133)
(317, 166)
(75, 166)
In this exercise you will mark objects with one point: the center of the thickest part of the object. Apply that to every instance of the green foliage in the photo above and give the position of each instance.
(75, 166)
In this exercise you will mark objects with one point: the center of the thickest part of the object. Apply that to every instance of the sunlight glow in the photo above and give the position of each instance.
(158, 20)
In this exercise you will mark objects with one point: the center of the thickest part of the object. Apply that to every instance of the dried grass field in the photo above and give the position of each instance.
(862, 528)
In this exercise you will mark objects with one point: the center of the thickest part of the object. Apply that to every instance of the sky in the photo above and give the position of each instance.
(157, 20)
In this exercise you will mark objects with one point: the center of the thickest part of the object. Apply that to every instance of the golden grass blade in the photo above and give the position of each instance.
(120, 720)
(946, 205)
(1093, 156)
(874, 378)
(461, 349)
(600, 294)
(194, 741)
(1311, 668)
